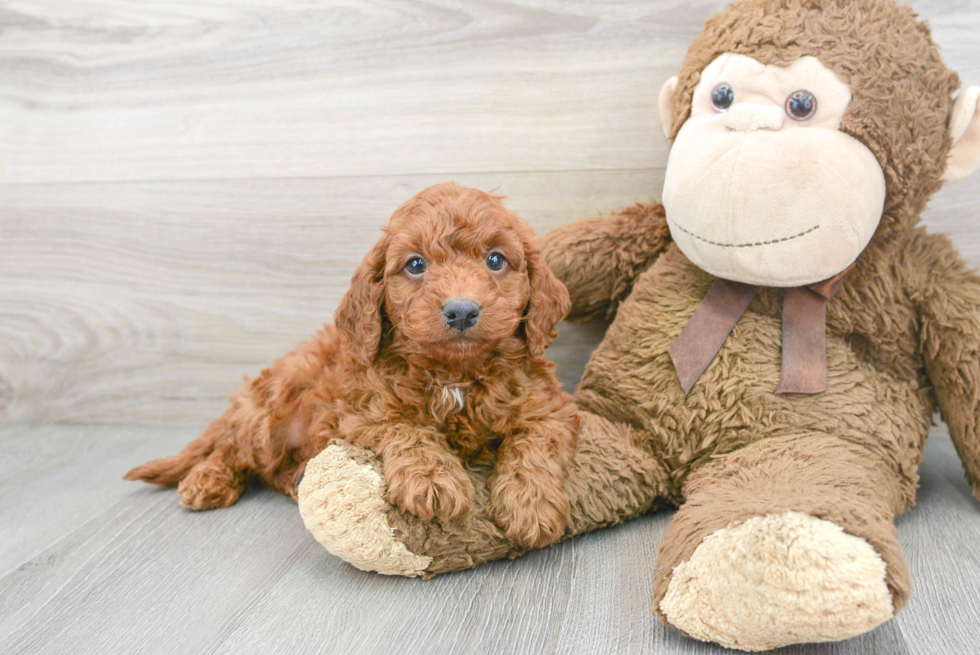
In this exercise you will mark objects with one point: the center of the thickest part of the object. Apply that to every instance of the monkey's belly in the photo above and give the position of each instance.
(630, 378)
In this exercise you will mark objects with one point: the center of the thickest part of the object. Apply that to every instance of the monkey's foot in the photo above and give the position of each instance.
(777, 580)
(342, 501)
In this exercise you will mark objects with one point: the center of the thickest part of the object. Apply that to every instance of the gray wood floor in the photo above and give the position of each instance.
(92, 564)
(185, 189)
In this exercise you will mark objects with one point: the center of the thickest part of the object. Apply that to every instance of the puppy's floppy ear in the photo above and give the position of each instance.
(549, 302)
(359, 315)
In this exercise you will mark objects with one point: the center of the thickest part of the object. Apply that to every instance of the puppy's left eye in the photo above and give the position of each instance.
(495, 261)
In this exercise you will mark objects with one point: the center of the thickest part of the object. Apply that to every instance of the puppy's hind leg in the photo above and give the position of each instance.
(211, 483)
(267, 434)
(204, 471)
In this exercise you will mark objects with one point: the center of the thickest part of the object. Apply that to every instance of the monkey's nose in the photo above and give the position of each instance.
(751, 116)
(461, 313)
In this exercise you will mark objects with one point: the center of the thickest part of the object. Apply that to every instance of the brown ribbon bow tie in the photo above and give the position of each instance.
(804, 367)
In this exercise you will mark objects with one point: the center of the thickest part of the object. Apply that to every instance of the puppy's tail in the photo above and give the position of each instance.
(171, 470)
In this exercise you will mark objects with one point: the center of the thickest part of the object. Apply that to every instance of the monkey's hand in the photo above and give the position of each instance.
(947, 294)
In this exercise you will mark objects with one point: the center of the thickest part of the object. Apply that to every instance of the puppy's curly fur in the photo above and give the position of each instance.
(394, 377)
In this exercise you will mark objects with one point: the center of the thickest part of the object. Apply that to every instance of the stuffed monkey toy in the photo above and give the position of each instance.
(782, 334)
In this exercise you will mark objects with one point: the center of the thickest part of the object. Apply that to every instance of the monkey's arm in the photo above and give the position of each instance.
(598, 259)
(948, 296)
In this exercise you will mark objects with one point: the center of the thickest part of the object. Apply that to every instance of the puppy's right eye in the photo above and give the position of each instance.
(415, 266)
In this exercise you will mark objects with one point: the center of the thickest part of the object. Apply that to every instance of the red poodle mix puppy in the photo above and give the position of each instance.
(436, 362)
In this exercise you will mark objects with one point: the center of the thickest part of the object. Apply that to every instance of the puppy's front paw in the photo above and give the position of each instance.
(531, 510)
(428, 483)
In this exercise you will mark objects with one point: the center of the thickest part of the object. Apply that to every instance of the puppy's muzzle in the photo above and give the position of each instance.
(461, 313)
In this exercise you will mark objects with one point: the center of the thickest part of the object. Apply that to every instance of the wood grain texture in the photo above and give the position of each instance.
(107, 90)
(96, 565)
(103, 90)
(147, 302)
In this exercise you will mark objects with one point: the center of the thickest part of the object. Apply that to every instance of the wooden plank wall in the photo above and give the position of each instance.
(186, 186)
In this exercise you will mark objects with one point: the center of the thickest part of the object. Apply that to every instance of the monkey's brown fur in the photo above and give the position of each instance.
(903, 333)
(392, 391)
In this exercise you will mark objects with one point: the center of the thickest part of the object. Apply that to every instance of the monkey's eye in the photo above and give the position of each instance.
(801, 105)
(722, 96)
(415, 266)
(495, 261)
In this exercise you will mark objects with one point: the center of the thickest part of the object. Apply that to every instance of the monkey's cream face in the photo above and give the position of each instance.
(762, 187)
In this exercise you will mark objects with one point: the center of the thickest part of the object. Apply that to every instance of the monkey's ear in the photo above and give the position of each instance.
(666, 107)
(964, 127)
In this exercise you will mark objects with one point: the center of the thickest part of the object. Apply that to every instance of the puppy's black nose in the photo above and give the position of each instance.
(461, 313)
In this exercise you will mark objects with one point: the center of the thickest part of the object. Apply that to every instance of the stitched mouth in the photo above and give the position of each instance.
(750, 244)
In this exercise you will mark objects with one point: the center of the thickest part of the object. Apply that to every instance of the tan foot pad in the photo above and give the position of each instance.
(342, 501)
(778, 580)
